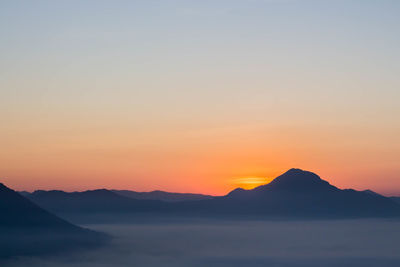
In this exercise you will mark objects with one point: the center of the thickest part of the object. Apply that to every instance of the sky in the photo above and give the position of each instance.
(198, 96)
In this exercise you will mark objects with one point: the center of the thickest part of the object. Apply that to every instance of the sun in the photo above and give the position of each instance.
(250, 182)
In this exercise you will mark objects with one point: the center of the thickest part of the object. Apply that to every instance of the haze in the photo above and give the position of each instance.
(358, 243)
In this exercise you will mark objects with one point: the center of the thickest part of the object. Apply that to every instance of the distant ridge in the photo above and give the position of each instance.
(152, 195)
(27, 229)
(99, 201)
(162, 195)
(294, 194)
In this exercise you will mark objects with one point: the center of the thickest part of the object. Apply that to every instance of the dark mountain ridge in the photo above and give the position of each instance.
(92, 201)
(162, 195)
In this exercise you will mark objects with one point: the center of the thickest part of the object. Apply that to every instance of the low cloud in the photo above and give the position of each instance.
(361, 243)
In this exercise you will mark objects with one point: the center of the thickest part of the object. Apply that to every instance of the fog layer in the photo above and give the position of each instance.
(240, 243)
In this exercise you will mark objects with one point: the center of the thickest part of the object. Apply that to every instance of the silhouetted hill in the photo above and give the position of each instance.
(299, 193)
(162, 195)
(298, 181)
(27, 229)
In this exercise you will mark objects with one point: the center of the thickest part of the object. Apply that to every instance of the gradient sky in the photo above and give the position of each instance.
(197, 96)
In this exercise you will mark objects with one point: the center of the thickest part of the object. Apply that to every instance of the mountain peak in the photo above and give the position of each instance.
(297, 181)
(299, 172)
(238, 190)
(294, 181)
(300, 180)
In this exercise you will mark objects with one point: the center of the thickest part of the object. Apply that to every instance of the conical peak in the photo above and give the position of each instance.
(299, 174)
(298, 180)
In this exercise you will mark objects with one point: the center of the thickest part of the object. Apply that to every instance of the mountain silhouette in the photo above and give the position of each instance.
(298, 181)
(94, 205)
(27, 229)
(294, 194)
(299, 193)
(162, 195)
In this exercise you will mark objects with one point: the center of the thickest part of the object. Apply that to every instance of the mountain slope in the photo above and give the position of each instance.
(27, 229)
(17, 211)
(395, 199)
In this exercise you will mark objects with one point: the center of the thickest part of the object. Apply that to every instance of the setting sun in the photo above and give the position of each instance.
(251, 182)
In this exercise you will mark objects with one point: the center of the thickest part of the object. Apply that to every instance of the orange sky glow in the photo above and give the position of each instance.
(204, 161)
(198, 96)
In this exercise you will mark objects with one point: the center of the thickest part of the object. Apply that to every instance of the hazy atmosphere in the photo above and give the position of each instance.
(358, 243)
